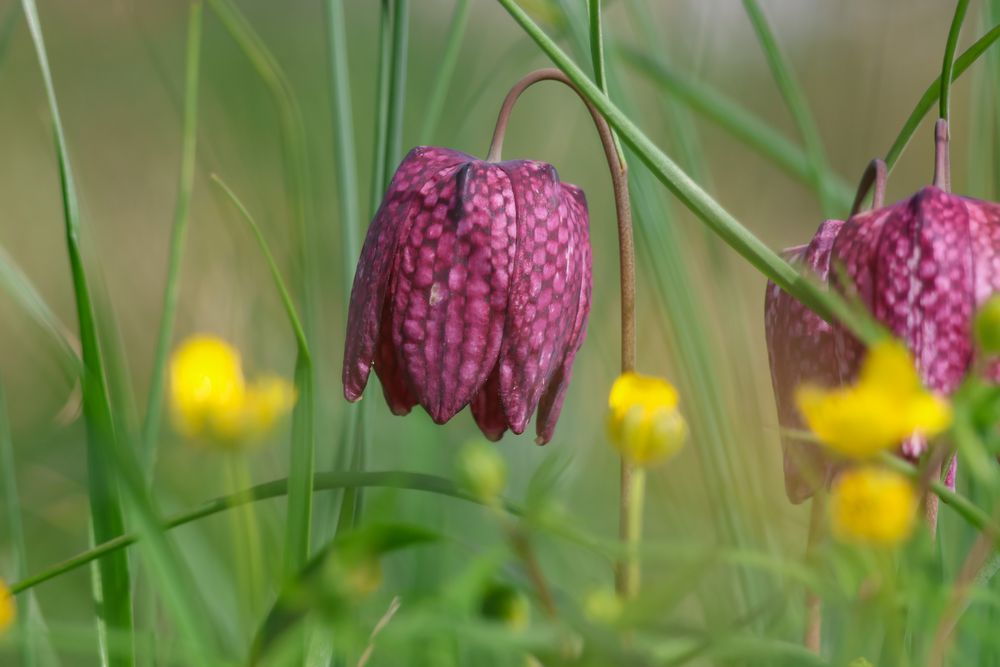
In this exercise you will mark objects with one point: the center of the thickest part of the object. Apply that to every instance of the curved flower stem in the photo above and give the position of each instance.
(875, 175)
(631, 490)
(948, 66)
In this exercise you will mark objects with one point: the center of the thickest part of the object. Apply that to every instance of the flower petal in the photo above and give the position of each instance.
(452, 277)
(924, 284)
(577, 221)
(544, 291)
(487, 408)
(395, 383)
(800, 347)
(373, 273)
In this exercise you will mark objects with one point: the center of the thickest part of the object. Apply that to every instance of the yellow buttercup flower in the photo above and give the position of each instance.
(886, 405)
(871, 505)
(644, 423)
(8, 610)
(211, 400)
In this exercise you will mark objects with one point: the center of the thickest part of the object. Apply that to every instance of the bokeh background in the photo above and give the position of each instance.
(118, 68)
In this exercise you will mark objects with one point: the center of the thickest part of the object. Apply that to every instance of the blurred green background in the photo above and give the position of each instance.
(118, 68)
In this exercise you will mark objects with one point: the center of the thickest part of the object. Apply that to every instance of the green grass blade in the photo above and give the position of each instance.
(709, 211)
(383, 88)
(279, 281)
(107, 517)
(26, 629)
(182, 215)
(109, 463)
(324, 481)
(397, 89)
(933, 94)
(445, 71)
(298, 526)
(23, 291)
(798, 106)
(948, 64)
(343, 142)
(742, 124)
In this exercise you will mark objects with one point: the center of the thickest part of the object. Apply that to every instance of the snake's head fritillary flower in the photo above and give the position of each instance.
(8, 609)
(473, 288)
(873, 506)
(922, 267)
(211, 400)
(644, 423)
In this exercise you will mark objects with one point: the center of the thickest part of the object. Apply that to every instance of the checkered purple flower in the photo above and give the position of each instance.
(922, 266)
(473, 288)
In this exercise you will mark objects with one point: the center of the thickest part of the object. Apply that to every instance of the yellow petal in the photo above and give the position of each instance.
(871, 505)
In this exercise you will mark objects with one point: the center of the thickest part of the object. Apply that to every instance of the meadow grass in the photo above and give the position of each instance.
(347, 537)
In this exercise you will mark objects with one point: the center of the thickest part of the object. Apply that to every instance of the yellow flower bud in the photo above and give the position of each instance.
(643, 421)
(871, 505)
(210, 398)
(8, 610)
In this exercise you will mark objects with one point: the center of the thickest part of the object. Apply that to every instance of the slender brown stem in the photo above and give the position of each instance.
(942, 161)
(813, 635)
(875, 174)
(630, 502)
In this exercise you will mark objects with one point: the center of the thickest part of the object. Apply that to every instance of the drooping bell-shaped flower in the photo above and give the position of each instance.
(922, 266)
(473, 287)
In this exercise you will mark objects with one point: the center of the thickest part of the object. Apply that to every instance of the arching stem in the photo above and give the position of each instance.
(875, 175)
(631, 491)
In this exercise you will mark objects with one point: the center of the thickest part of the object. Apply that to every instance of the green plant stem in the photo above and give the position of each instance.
(948, 64)
(933, 93)
(445, 71)
(397, 89)
(383, 78)
(633, 491)
(825, 303)
(182, 216)
(797, 105)
(326, 481)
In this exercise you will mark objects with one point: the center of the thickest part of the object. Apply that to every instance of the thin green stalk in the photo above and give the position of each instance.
(796, 101)
(15, 530)
(298, 526)
(111, 464)
(933, 94)
(596, 44)
(324, 481)
(343, 142)
(445, 71)
(182, 215)
(827, 304)
(383, 78)
(948, 65)
(397, 89)
(279, 282)
(297, 532)
(107, 516)
(20, 287)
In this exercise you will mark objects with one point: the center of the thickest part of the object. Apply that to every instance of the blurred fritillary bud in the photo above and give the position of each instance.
(603, 606)
(483, 470)
(473, 287)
